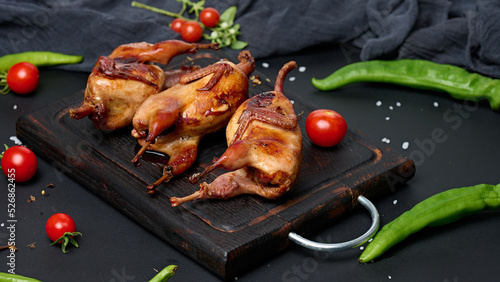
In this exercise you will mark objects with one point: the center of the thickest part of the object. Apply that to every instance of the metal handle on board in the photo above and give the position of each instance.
(336, 247)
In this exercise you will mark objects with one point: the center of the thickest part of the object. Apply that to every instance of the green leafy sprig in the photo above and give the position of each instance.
(225, 33)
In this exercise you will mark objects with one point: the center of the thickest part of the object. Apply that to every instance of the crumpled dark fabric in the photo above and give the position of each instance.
(465, 33)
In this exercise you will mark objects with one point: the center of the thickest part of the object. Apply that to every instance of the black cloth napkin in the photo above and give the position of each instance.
(465, 33)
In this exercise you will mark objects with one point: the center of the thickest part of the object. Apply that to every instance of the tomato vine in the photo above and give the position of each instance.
(225, 33)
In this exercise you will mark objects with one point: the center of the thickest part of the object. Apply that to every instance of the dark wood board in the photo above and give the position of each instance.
(228, 237)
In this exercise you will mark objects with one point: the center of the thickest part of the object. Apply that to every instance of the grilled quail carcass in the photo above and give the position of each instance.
(174, 121)
(120, 82)
(264, 152)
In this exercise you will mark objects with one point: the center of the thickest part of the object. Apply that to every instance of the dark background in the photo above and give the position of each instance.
(115, 248)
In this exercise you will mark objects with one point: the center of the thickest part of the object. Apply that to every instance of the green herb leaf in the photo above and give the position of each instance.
(228, 16)
(238, 45)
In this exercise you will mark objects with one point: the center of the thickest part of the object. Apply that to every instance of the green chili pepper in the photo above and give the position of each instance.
(38, 58)
(440, 209)
(165, 274)
(423, 74)
(7, 277)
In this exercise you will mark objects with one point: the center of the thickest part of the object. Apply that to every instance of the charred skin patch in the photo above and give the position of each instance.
(100, 114)
(262, 100)
(126, 69)
(188, 121)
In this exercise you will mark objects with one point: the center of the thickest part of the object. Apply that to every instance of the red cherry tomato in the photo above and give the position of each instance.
(325, 128)
(19, 163)
(58, 224)
(191, 31)
(209, 17)
(23, 78)
(177, 24)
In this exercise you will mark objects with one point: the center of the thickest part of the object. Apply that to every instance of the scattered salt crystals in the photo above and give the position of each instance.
(405, 145)
(379, 103)
(391, 108)
(386, 140)
(266, 65)
(398, 104)
(292, 78)
(387, 118)
(302, 69)
(436, 104)
(16, 141)
(395, 201)
(15, 107)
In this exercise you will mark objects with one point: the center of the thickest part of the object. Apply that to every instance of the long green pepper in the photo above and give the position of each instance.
(440, 209)
(422, 74)
(38, 58)
(7, 277)
(165, 274)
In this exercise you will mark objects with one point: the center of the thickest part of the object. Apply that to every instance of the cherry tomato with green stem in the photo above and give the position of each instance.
(325, 128)
(191, 31)
(61, 228)
(58, 224)
(209, 17)
(19, 163)
(23, 78)
(177, 24)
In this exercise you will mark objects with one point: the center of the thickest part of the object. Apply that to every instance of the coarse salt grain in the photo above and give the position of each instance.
(395, 201)
(390, 277)
(292, 78)
(361, 248)
(405, 145)
(387, 118)
(292, 101)
(1, 225)
(15, 107)
(302, 69)
(16, 140)
(436, 104)
(379, 103)
(398, 104)
(391, 108)
(266, 65)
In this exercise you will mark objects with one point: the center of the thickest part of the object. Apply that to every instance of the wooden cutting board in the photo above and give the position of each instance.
(228, 237)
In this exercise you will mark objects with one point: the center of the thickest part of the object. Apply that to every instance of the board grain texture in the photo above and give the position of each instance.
(229, 237)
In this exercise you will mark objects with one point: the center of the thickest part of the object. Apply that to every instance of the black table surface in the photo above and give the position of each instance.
(115, 248)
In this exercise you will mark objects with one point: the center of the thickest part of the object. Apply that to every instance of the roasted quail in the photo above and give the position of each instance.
(120, 82)
(174, 121)
(264, 152)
